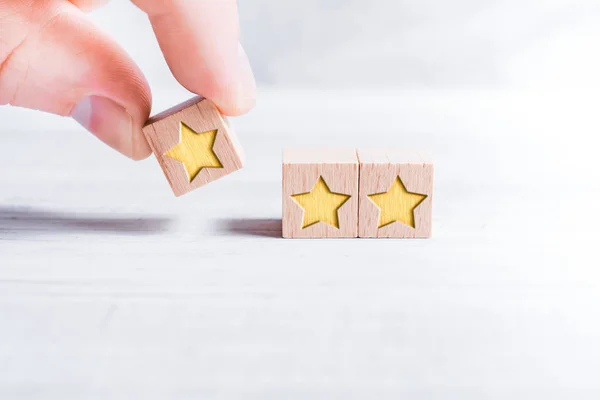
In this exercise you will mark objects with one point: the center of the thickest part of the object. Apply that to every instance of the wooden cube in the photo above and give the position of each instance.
(395, 189)
(320, 194)
(193, 144)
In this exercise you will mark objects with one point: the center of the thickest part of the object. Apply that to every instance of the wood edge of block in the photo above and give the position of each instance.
(174, 110)
(234, 140)
(150, 141)
(296, 156)
(382, 156)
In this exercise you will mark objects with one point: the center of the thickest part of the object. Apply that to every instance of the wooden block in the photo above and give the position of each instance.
(395, 189)
(193, 144)
(320, 193)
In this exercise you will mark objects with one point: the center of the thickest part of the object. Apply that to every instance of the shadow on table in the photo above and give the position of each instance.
(17, 221)
(251, 227)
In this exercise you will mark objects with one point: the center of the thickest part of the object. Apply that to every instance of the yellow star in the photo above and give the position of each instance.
(320, 205)
(397, 204)
(195, 151)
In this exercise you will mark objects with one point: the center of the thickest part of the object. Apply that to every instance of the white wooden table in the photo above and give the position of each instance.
(112, 288)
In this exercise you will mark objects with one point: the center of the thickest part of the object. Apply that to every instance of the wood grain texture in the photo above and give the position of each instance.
(302, 170)
(112, 288)
(379, 171)
(201, 115)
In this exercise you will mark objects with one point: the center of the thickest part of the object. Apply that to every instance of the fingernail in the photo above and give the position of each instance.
(247, 82)
(107, 120)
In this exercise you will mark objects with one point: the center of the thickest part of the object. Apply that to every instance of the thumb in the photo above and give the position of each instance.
(54, 59)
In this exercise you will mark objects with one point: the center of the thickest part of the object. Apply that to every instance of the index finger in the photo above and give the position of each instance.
(200, 41)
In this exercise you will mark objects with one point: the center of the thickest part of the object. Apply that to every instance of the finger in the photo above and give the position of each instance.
(57, 61)
(200, 41)
(89, 5)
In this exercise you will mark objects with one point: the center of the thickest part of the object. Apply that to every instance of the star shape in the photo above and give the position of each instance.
(320, 205)
(397, 204)
(195, 151)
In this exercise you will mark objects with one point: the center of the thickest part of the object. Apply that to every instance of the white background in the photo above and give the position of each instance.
(112, 288)
(426, 43)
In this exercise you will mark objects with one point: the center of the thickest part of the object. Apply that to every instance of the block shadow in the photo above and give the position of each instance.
(251, 227)
(19, 221)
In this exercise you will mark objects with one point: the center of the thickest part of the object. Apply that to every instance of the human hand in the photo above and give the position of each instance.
(52, 58)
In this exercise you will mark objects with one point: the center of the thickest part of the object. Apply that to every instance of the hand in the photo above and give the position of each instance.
(52, 58)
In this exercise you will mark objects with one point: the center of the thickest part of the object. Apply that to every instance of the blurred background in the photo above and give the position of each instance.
(399, 43)
(461, 78)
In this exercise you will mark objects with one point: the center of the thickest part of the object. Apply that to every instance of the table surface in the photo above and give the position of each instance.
(112, 288)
